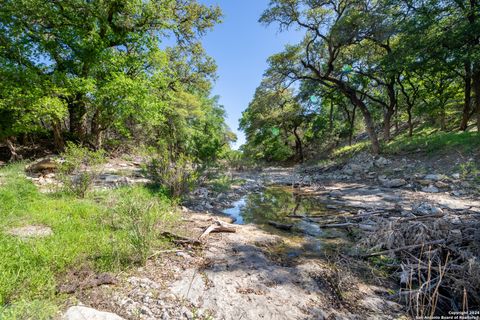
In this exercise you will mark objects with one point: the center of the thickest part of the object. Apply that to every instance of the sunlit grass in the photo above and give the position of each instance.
(90, 231)
(431, 141)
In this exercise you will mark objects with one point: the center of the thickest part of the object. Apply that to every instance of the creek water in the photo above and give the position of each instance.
(278, 204)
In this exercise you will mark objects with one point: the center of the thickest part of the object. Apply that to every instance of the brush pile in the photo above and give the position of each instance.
(435, 256)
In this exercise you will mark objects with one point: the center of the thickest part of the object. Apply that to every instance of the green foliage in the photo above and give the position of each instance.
(100, 64)
(390, 62)
(98, 231)
(274, 124)
(79, 169)
(178, 175)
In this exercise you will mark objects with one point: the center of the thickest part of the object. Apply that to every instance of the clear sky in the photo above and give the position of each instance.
(240, 47)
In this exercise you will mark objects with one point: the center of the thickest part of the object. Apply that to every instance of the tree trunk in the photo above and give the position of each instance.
(468, 97)
(78, 118)
(331, 116)
(443, 125)
(298, 145)
(367, 116)
(352, 126)
(371, 130)
(476, 91)
(369, 125)
(11, 147)
(410, 123)
(397, 129)
(97, 131)
(387, 123)
(390, 110)
(57, 136)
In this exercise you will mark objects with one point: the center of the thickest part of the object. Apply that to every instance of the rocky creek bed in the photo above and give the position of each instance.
(373, 238)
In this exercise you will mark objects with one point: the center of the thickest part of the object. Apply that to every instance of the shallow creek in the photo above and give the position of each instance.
(281, 205)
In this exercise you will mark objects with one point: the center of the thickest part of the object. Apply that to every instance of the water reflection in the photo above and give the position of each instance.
(274, 204)
(279, 204)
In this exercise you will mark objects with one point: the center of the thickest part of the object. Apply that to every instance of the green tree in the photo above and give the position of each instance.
(101, 55)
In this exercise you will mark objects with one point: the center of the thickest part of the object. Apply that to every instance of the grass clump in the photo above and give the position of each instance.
(109, 230)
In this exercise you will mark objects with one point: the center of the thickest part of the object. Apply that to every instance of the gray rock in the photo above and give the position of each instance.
(83, 313)
(393, 183)
(312, 229)
(382, 162)
(434, 177)
(456, 176)
(425, 208)
(430, 189)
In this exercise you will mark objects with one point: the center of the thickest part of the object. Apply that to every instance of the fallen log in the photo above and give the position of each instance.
(281, 226)
(410, 247)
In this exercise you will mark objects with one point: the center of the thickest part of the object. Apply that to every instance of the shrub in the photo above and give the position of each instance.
(79, 169)
(178, 175)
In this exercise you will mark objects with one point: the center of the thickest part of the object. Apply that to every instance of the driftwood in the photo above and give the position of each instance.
(281, 226)
(216, 227)
(414, 246)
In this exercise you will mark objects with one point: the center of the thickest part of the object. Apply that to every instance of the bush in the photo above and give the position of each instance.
(178, 175)
(79, 169)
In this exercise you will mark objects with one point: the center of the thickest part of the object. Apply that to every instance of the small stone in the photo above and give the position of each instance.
(456, 176)
(82, 313)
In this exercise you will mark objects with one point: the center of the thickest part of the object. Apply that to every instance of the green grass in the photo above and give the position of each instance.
(431, 141)
(428, 140)
(347, 151)
(97, 231)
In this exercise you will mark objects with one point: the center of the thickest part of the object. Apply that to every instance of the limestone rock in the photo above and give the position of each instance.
(83, 313)
(31, 232)
(45, 164)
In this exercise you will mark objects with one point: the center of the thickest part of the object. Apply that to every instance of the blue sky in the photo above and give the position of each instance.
(240, 47)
